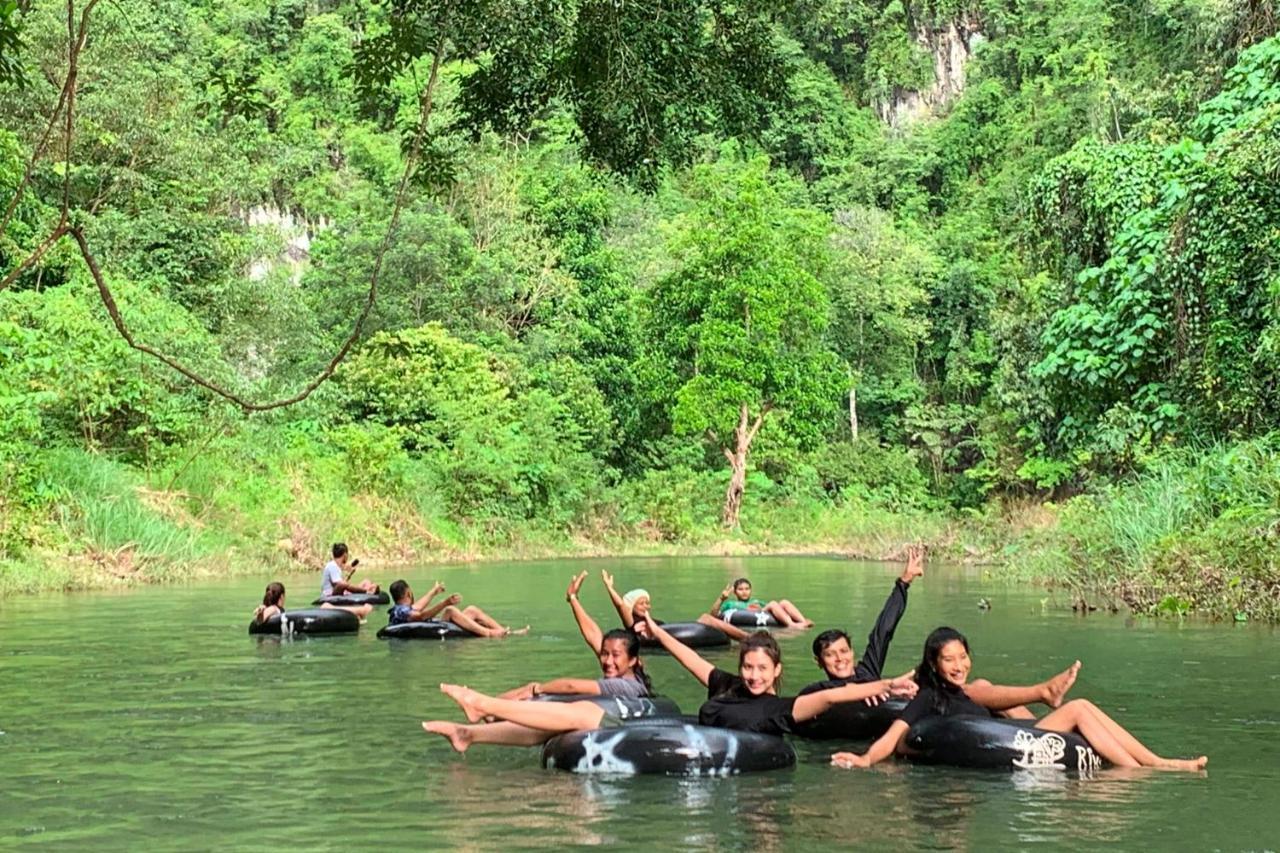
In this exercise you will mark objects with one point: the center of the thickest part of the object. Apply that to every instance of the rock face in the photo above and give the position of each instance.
(295, 234)
(951, 45)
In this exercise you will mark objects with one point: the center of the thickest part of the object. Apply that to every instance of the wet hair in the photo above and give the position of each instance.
(761, 641)
(927, 673)
(828, 638)
(339, 549)
(270, 598)
(633, 651)
(398, 589)
(275, 592)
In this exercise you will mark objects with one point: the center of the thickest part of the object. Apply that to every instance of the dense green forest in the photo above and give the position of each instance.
(828, 274)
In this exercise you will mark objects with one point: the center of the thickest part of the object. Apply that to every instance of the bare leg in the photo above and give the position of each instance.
(999, 697)
(1110, 739)
(794, 613)
(992, 696)
(734, 632)
(505, 734)
(548, 716)
(361, 610)
(777, 611)
(480, 616)
(488, 621)
(465, 622)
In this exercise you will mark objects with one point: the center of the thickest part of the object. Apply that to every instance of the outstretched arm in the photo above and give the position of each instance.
(879, 751)
(873, 656)
(422, 605)
(586, 625)
(811, 705)
(688, 658)
(432, 611)
(733, 631)
(624, 612)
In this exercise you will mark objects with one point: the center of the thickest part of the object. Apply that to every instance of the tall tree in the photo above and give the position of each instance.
(642, 79)
(735, 335)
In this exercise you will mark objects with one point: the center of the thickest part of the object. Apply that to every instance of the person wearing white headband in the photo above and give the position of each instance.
(634, 607)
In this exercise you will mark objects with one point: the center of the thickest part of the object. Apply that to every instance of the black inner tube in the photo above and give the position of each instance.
(353, 599)
(695, 635)
(672, 750)
(752, 619)
(989, 742)
(314, 621)
(427, 630)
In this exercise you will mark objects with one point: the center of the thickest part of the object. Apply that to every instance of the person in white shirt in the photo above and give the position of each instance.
(336, 579)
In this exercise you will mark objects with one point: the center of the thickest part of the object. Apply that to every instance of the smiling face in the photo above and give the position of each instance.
(742, 590)
(641, 606)
(615, 662)
(837, 659)
(759, 672)
(952, 663)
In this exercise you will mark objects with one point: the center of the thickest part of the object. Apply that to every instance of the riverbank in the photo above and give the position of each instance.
(1194, 536)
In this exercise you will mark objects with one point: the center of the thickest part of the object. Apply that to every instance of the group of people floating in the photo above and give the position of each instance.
(749, 700)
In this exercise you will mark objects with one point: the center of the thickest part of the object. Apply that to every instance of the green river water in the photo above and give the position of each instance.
(150, 719)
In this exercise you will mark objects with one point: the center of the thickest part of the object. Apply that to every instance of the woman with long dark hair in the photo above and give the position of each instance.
(749, 700)
(273, 605)
(943, 675)
(622, 675)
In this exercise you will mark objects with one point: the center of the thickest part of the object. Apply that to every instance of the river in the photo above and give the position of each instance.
(149, 718)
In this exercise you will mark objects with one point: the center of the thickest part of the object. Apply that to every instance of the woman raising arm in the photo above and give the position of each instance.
(749, 701)
(942, 676)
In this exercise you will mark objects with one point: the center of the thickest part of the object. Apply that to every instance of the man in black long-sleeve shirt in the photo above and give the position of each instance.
(834, 653)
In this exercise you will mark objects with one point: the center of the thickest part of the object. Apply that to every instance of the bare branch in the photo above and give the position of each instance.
(76, 38)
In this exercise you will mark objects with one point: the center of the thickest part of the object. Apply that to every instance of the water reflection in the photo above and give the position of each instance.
(179, 728)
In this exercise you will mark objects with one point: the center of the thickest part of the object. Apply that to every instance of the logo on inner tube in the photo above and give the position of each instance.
(762, 617)
(1043, 751)
(632, 708)
(1087, 761)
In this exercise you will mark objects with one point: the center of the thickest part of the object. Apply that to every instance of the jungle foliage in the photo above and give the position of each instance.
(655, 261)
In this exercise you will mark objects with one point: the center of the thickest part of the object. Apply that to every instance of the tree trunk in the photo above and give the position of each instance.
(853, 414)
(743, 435)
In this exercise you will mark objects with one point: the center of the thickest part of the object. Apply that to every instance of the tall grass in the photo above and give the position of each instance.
(101, 512)
(1191, 533)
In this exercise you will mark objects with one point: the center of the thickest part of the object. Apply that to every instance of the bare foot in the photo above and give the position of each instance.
(466, 699)
(1188, 764)
(1055, 689)
(516, 632)
(459, 736)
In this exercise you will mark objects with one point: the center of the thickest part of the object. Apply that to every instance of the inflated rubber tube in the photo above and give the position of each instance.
(317, 621)
(428, 630)
(353, 599)
(852, 721)
(695, 635)
(624, 708)
(751, 619)
(671, 750)
(988, 742)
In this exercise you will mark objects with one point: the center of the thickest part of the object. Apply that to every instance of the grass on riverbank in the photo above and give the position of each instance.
(1191, 535)
(221, 513)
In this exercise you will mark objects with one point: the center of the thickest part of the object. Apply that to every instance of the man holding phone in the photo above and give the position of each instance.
(336, 579)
